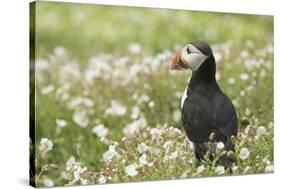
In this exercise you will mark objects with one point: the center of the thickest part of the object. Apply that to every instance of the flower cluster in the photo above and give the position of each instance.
(119, 116)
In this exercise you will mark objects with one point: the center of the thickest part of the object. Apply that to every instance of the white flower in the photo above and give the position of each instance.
(69, 72)
(78, 171)
(151, 104)
(150, 164)
(70, 163)
(219, 170)
(60, 122)
(135, 112)
(45, 145)
(76, 174)
(250, 88)
(247, 170)
(270, 125)
(231, 81)
(115, 109)
(142, 148)
(102, 180)
(88, 102)
(190, 161)
(134, 48)
(176, 116)
(156, 150)
(73, 103)
(242, 93)
(80, 118)
(178, 94)
(244, 54)
(83, 181)
(48, 182)
(244, 76)
(247, 112)
(41, 65)
(220, 145)
(174, 155)
(244, 153)
(168, 144)
(235, 168)
(133, 71)
(269, 169)
(135, 126)
(249, 43)
(155, 133)
(99, 67)
(131, 170)
(135, 96)
(48, 89)
(261, 130)
(90, 75)
(60, 51)
(64, 175)
(122, 61)
(184, 175)
(173, 132)
(143, 160)
(100, 130)
(142, 99)
(200, 169)
(266, 161)
(251, 63)
(77, 101)
(110, 153)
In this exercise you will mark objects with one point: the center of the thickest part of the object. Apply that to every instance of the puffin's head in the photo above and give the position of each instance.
(192, 56)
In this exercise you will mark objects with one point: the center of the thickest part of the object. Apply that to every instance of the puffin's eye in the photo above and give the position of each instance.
(188, 51)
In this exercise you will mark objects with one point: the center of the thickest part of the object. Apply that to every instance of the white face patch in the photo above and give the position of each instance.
(193, 57)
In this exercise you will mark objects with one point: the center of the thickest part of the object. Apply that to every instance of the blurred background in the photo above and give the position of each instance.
(90, 29)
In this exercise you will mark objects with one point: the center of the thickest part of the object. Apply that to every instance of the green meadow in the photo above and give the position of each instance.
(108, 105)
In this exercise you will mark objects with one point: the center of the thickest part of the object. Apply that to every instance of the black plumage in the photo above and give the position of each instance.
(208, 110)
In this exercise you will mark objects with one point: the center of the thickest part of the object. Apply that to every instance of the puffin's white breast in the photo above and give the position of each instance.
(184, 96)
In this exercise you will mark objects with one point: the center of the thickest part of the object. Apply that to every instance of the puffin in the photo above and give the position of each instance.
(208, 115)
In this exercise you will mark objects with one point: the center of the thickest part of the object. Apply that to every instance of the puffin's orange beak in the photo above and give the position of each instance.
(175, 62)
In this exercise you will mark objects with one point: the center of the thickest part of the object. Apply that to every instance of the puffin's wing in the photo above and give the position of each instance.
(226, 117)
(198, 118)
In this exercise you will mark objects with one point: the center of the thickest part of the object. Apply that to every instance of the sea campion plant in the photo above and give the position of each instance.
(108, 105)
(141, 150)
